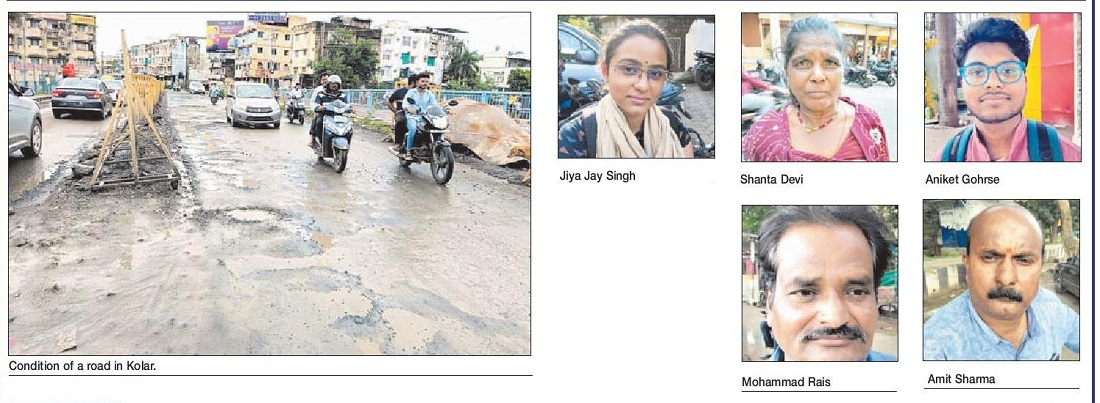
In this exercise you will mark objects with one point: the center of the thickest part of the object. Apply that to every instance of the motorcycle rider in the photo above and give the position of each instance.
(331, 93)
(313, 99)
(422, 99)
(395, 102)
(295, 94)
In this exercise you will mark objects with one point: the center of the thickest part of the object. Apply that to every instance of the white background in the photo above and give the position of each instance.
(636, 286)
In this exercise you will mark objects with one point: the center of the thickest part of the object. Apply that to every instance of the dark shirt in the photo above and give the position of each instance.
(572, 137)
(399, 97)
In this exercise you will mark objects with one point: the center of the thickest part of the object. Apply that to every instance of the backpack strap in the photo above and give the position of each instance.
(1043, 146)
(589, 125)
(955, 150)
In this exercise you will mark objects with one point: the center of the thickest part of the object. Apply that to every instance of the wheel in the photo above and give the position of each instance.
(1059, 288)
(891, 81)
(228, 119)
(56, 114)
(705, 80)
(443, 165)
(35, 148)
(865, 82)
(277, 124)
(339, 159)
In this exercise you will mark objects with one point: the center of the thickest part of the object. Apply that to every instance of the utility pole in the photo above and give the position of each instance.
(23, 20)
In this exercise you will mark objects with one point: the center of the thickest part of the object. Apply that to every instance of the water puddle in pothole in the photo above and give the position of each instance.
(251, 215)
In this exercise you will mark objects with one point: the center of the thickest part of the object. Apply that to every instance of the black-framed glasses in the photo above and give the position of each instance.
(634, 71)
(1009, 71)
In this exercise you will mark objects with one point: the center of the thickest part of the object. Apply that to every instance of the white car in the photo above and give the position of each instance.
(252, 104)
(196, 88)
(24, 122)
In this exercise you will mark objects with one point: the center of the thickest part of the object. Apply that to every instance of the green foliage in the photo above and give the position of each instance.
(354, 61)
(586, 23)
(753, 216)
(462, 70)
(519, 80)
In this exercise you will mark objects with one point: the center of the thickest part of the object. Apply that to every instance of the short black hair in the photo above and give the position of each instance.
(785, 217)
(994, 30)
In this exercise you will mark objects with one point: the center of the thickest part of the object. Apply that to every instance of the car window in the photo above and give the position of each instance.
(254, 91)
(83, 83)
(570, 44)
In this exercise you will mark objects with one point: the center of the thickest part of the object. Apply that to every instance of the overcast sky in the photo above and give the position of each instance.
(486, 31)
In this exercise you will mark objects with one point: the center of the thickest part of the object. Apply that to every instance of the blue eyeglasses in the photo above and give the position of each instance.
(634, 71)
(975, 74)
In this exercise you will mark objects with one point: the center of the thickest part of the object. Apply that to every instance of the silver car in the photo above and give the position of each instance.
(24, 122)
(252, 104)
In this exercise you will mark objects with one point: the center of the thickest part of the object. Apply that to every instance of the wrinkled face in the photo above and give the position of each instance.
(638, 56)
(995, 101)
(1004, 264)
(823, 307)
(815, 72)
(422, 83)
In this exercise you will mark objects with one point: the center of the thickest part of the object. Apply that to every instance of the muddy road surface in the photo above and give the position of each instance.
(264, 250)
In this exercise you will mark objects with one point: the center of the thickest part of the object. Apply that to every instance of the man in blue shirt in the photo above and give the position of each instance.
(1004, 315)
(422, 99)
(821, 266)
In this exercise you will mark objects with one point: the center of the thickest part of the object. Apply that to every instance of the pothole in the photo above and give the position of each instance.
(251, 215)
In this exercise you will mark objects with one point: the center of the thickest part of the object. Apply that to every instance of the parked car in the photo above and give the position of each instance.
(115, 87)
(1067, 276)
(252, 104)
(579, 52)
(75, 94)
(24, 122)
(196, 88)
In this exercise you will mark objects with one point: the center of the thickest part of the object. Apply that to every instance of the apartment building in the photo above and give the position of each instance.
(264, 52)
(311, 41)
(39, 44)
(409, 50)
(498, 64)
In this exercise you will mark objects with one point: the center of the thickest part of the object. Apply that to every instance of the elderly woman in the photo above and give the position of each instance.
(627, 123)
(818, 124)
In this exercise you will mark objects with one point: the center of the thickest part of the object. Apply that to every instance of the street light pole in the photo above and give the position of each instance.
(23, 19)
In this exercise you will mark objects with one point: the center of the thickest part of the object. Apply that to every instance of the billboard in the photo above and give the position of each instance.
(269, 18)
(82, 19)
(220, 36)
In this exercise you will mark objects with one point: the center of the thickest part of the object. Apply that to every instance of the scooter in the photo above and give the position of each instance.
(748, 116)
(886, 72)
(429, 144)
(336, 134)
(859, 75)
(704, 70)
(214, 96)
(295, 110)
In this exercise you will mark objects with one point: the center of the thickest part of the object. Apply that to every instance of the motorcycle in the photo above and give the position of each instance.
(429, 146)
(885, 71)
(295, 110)
(335, 134)
(859, 75)
(769, 74)
(214, 96)
(704, 70)
(571, 97)
(748, 116)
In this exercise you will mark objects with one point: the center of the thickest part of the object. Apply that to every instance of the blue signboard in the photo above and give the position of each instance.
(269, 18)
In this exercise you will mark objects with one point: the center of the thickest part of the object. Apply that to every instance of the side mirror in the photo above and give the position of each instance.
(27, 92)
(452, 102)
(586, 56)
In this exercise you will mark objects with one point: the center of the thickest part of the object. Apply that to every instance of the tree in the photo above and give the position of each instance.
(519, 80)
(355, 61)
(753, 216)
(462, 69)
(589, 24)
(945, 36)
(932, 225)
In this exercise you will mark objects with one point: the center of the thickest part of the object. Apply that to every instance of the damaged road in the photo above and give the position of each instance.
(264, 250)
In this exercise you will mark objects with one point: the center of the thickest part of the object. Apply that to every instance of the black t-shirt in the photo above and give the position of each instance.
(399, 97)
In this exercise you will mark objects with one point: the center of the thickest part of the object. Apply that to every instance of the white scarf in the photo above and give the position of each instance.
(614, 139)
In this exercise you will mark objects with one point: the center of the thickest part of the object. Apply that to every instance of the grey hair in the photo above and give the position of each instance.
(810, 25)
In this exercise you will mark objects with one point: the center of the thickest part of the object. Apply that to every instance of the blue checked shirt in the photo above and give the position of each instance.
(956, 332)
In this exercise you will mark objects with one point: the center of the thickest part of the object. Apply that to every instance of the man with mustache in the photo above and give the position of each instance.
(992, 57)
(1004, 315)
(821, 266)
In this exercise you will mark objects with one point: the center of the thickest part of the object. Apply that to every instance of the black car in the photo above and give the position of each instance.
(89, 95)
(1067, 276)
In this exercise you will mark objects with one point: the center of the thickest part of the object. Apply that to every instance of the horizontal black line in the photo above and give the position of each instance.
(1002, 388)
(283, 375)
(819, 391)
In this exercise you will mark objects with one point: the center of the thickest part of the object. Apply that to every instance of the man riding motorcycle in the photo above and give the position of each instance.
(422, 99)
(330, 93)
(313, 104)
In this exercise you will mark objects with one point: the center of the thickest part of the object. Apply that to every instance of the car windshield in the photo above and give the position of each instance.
(83, 83)
(254, 91)
(114, 84)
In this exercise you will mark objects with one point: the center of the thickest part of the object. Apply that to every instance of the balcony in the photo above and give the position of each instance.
(33, 32)
(83, 37)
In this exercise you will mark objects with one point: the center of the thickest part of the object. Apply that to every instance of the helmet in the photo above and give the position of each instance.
(334, 79)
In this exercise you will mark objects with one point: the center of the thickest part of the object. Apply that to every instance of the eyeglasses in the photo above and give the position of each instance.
(975, 74)
(634, 71)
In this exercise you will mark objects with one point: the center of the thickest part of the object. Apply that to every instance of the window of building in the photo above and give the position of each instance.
(286, 53)
(260, 50)
(274, 51)
(36, 42)
(36, 60)
(55, 44)
(405, 40)
(286, 37)
(34, 23)
(260, 34)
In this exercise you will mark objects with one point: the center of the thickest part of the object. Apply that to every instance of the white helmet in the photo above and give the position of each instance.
(334, 79)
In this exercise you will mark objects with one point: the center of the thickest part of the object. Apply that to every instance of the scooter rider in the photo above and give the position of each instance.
(313, 105)
(331, 93)
(295, 95)
(422, 99)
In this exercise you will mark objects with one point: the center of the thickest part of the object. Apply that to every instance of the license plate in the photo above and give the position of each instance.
(70, 96)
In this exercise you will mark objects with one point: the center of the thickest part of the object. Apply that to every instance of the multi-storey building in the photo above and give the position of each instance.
(264, 52)
(311, 42)
(39, 44)
(497, 65)
(410, 50)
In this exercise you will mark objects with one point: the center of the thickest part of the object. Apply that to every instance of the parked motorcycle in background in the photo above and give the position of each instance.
(704, 70)
(429, 144)
(885, 71)
(748, 116)
(859, 75)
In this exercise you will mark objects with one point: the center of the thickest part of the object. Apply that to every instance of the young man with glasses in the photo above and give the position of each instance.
(992, 58)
